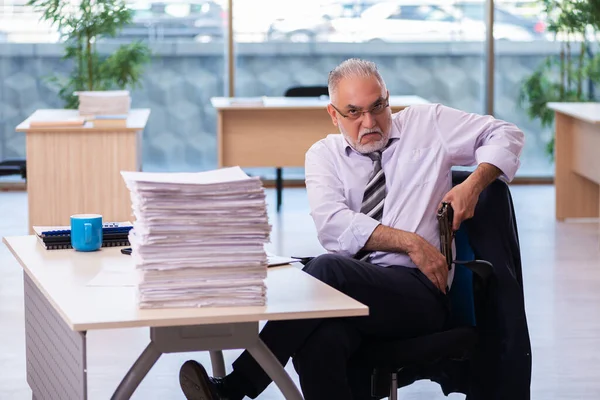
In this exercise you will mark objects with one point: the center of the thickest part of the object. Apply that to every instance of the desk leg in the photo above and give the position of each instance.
(279, 185)
(56, 355)
(275, 370)
(218, 363)
(213, 338)
(137, 372)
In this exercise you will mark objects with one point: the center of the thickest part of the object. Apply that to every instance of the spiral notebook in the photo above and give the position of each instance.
(114, 234)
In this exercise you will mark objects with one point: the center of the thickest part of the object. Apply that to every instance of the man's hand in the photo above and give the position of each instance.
(430, 261)
(463, 199)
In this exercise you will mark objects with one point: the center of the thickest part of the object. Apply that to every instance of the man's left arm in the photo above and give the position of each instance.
(471, 139)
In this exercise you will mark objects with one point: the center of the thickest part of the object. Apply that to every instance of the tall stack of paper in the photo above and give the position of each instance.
(198, 238)
(104, 102)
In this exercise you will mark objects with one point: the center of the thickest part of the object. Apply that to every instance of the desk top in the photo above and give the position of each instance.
(64, 276)
(589, 112)
(274, 103)
(136, 121)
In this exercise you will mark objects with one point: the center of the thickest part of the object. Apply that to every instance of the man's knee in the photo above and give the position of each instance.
(328, 268)
(333, 339)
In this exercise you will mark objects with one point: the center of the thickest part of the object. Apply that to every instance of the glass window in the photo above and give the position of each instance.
(514, 63)
(285, 43)
(304, 40)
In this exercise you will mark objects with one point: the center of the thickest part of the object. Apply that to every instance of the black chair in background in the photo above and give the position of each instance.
(13, 167)
(297, 91)
(307, 91)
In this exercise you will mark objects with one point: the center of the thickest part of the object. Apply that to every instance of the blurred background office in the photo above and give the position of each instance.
(434, 49)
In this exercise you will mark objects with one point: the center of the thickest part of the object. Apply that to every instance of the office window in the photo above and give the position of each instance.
(514, 62)
(421, 48)
(430, 49)
(188, 67)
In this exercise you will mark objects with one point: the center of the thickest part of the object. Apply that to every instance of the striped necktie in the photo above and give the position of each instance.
(374, 197)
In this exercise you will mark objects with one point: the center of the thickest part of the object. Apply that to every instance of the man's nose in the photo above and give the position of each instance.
(368, 120)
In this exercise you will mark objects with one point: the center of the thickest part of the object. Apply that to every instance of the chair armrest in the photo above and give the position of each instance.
(481, 268)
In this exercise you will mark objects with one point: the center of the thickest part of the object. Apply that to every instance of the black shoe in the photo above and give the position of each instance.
(197, 385)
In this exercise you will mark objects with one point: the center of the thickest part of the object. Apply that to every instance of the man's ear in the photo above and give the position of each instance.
(332, 114)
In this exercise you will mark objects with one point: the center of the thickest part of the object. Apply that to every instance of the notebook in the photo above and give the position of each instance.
(114, 234)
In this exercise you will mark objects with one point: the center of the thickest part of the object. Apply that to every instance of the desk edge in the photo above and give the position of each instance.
(24, 125)
(354, 312)
(555, 106)
(37, 284)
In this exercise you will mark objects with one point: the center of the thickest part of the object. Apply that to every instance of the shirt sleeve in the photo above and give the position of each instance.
(339, 229)
(473, 139)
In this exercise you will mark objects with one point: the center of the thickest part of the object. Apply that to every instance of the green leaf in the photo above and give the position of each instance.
(81, 25)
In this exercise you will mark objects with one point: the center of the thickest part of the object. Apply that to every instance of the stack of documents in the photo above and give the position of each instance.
(104, 102)
(198, 238)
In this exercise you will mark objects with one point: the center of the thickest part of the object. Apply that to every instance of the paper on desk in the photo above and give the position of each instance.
(115, 277)
(275, 260)
(217, 177)
(198, 238)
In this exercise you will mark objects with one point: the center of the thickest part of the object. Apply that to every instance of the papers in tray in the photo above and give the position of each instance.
(104, 102)
(198, 238)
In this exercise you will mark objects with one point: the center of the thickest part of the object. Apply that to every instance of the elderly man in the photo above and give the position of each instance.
(374, 191)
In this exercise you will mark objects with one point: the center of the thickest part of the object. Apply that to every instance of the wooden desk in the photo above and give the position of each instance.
(61, 305)
(276, 131)
(577, 175)
(74, 170)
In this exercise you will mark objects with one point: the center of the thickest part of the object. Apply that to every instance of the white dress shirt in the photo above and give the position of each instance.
(428, 140)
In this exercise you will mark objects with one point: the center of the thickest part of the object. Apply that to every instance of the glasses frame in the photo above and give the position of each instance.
(370, 110)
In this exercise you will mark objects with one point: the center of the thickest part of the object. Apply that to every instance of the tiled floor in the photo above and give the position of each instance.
(561, 263)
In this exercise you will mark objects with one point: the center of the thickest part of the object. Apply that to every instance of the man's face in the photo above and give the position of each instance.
(366, 132)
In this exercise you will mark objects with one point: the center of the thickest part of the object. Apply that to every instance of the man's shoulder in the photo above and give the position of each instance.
(331, 143)
(417, 109)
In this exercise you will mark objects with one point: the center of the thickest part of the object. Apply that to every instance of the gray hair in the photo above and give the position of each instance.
(353, 67)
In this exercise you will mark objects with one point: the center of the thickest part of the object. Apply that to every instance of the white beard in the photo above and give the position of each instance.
(367, 147)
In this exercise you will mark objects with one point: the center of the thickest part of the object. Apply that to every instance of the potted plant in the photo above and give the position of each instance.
(81, 27)
(561, 78)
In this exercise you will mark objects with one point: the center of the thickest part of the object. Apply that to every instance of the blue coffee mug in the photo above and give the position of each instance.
(86, 232)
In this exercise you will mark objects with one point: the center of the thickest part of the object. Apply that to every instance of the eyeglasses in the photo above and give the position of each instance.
(376, 109)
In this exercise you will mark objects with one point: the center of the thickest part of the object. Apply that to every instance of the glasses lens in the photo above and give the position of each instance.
(378, 109)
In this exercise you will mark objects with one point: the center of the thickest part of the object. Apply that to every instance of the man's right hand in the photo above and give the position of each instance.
(430, 261)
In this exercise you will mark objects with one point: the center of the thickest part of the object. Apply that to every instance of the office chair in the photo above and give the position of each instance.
(398, 363)
(297, 91)
(13, 167)
(307, 91)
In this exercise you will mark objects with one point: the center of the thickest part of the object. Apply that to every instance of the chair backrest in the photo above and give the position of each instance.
(493, 227)
(307, 91)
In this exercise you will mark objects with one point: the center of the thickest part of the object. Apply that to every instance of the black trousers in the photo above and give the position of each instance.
(402, 303)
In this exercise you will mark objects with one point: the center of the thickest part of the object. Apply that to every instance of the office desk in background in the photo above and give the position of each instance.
(276, 131)
(76, 169)
(577, 176)
(64, 298)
